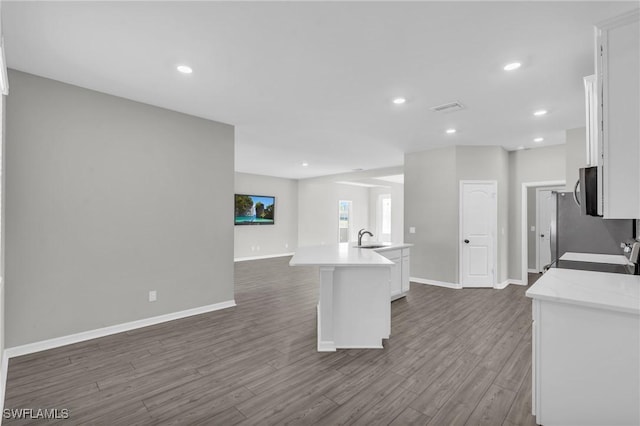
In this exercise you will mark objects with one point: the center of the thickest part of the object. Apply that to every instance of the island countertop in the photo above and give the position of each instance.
(343, 254)
(616, 292)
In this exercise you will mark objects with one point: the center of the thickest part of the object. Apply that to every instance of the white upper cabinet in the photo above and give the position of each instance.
(618, 115)
(594, 153)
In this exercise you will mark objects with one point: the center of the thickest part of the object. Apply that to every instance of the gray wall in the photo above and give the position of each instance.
(106, 200)
(318, 210)
(534, 165)
(432, 206)
(265, 240)
(576, 149)
(2, 220)
(2, 228)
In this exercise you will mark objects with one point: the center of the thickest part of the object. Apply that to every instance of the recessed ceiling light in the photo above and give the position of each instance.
(184, 69)
(512, 66)
(399, 101)
(451, 131)
(538, 139)
(305, 164)
(540, 112)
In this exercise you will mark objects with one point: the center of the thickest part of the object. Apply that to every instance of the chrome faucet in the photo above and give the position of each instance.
(361, 234)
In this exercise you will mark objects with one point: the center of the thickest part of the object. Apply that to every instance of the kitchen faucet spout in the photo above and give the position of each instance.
(361, 233)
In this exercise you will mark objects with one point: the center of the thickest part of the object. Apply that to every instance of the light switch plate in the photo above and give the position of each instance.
(412, 229)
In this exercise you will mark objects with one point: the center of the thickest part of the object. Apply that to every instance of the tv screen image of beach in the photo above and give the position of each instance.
(254, 210)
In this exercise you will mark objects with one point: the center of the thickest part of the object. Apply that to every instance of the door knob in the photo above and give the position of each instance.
(466, 241)
(541, 235)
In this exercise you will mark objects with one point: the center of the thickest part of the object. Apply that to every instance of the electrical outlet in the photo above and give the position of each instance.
(412, 229)
(153, 296)
(286, 245)
(533, 229)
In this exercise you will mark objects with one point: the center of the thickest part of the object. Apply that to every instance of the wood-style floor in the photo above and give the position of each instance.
(455, 357)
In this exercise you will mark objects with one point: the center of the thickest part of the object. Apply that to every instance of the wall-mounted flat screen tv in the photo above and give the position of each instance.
(254, 209)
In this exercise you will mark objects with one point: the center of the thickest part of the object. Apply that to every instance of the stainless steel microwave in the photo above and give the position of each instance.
(589, 197)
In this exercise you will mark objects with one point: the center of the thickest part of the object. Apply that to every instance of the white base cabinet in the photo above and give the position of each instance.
(586, 365)
(399, 271)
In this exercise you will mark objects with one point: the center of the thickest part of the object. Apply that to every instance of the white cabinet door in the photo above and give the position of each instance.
(405, 270)
(396, 271)
(586, 364)
(617, 70)
(399, 272)
(396, 277)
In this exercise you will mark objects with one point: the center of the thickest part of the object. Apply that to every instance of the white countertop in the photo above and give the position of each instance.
(616, 259)
(617, 292)
(343, 254)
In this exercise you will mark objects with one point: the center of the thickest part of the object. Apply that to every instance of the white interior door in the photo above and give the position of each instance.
(478, 222)
(545, 213)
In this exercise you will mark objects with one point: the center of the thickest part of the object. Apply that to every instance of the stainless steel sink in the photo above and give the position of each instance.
(372, 246)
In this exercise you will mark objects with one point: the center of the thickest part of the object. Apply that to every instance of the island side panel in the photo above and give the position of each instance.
(361, 308)
(326, 341)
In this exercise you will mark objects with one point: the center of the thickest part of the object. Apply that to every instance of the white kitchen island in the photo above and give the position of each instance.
(354, 308)
(586, 348)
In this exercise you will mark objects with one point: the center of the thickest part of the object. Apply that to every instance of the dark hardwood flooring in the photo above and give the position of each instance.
(455, 357)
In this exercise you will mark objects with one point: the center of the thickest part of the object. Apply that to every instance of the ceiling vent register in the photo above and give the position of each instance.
(448, 107)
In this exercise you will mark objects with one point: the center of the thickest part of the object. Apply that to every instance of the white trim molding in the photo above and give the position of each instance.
(524, 229)
(268, 256)
(4, 79)
(456, 286)
(113, 329)
(502, 285)
(3, 378)
(532, 271)
(506, 282)
(435, 282)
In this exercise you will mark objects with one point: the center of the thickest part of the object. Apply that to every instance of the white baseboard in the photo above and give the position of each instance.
(435, 282)
(532, 271)
(498, 286)
(268, 256)
(113, 329)
(505, 283)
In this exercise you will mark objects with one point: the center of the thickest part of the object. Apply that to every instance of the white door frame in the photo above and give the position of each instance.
(538, 189)
(495, 231)
(524, 249)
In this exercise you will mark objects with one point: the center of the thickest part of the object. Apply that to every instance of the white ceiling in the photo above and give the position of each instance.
(313, 81)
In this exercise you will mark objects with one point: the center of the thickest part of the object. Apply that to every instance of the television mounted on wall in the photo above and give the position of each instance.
(254, 209)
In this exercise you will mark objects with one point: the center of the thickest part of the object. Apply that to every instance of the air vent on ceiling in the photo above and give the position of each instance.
(448, 107)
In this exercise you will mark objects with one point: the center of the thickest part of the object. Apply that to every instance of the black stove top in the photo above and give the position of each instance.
(593, 266)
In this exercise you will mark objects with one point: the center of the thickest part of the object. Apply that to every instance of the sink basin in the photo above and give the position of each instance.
(372, 246)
